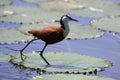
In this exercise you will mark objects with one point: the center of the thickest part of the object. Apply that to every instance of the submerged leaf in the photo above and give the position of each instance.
(109, 24)
(69, 77)
(61, 63)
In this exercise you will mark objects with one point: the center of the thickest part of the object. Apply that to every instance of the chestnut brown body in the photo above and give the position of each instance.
(49, 35)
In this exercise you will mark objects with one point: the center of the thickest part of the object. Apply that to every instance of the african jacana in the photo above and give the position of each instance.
(50, 34)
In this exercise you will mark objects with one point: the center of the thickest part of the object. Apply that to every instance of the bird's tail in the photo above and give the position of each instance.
(30, 32)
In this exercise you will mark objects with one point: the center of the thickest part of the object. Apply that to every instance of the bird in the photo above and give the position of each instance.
(50, 34)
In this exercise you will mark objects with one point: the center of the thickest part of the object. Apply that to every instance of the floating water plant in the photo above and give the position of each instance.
(61, 63)
(111, 24)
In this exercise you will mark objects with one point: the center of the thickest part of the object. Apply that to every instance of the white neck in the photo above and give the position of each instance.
(66, 28)
(65, 25)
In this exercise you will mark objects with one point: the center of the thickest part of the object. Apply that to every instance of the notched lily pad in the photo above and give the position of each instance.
(69, 77)
(109, 24)
(61, 63)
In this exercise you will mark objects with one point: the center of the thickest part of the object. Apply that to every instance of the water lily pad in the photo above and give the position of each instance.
(61, 63)
(21, 34)
(69, 77)
(5, 2)
(77, 31)
(57, 9)
(108, 24)
(27, 14)
(97, 8)
(26, 28)
(60, 6)
(12, 36)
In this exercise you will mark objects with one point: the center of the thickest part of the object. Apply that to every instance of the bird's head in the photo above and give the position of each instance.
(68, 17)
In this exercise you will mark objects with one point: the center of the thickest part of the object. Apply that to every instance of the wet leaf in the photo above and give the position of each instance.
(69, 77)
(61, 63)
(109, 24)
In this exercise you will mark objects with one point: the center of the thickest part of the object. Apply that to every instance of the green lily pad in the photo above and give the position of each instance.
(61, 63)
(69, 77)
(97, 8)
(60, 6)
(28, 14)
(21, 34)
(5, 2)
(90, 8)
(12, 36)
(77, 31)
(109, 24)
(28, 27)
(57, 9)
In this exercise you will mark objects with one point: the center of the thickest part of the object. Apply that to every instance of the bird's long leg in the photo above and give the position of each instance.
(41, 54)
(21, 51)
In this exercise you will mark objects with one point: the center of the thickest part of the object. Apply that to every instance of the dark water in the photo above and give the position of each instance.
(106, 47)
